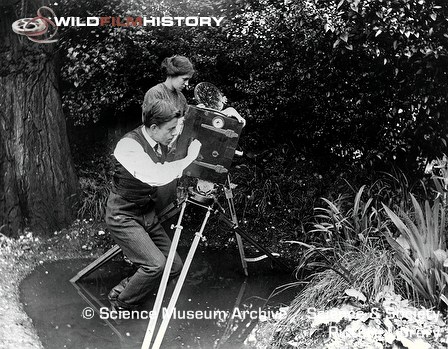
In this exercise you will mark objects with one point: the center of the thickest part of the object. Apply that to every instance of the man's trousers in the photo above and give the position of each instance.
(144, 241)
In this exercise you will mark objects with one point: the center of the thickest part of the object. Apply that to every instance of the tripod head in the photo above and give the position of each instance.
(203, 193)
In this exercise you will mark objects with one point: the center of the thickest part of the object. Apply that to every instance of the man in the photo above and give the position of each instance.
(140, 169)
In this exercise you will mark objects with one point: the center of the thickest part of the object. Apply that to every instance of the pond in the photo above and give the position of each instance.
(217, 308)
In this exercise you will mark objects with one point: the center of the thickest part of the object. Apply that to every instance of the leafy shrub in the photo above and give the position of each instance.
(360, 222)
(364, 81)
(351, 252)
(94, 197)
(277, 189)
(348, 251)
(421, 247)
(342, 226)
(439, 173)
(94, 169)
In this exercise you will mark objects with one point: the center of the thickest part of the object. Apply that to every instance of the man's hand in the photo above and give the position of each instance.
(193, 149)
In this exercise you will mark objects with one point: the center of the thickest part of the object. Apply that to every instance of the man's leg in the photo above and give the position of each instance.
(146, 244)
(163, 242)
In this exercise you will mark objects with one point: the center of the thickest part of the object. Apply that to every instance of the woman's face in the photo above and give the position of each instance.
(180, 81)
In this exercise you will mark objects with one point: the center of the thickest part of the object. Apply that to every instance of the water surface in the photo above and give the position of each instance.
(215, 289)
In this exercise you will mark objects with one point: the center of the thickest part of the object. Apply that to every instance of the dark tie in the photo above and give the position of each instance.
(158, 150)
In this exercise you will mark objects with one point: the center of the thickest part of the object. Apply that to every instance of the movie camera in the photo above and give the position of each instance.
(218, 133)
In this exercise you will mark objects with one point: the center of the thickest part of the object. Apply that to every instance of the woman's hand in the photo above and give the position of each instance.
(233, 113)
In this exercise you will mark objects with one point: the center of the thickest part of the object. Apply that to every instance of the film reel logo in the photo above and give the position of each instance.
(37, 26)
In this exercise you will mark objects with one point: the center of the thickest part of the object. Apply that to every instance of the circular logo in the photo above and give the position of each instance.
(37, 26)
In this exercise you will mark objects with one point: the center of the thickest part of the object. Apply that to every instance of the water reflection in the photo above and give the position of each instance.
(217, 308)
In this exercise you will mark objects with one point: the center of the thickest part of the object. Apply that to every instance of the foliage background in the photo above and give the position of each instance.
(363, 81)
(331, 90)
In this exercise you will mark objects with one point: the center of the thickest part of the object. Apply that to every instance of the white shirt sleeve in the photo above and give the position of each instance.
(131, 155)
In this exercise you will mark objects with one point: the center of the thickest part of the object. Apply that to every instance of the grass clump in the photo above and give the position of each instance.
(94, 197)
(369, 272)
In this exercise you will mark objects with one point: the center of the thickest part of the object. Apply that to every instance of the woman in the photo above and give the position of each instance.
(178, 71)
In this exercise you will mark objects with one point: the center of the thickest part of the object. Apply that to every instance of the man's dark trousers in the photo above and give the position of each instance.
(144, 241)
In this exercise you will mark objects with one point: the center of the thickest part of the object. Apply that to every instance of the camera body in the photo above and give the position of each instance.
(219, 136)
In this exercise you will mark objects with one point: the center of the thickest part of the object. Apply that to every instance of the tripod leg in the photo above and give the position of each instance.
(84, 294)
(229, 195)
(111, 253)
(167, 213)
(166, 274)
(179, 284)
(247, 237)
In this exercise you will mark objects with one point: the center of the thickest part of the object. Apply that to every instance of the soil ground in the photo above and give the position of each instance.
(18, 258)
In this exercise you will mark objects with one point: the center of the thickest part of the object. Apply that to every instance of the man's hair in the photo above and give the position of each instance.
(158, 111)
(177, 65)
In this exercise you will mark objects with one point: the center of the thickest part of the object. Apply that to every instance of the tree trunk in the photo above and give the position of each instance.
(38, 185)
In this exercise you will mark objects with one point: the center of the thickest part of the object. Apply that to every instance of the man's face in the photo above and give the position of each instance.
(180, 81)
(165, 133)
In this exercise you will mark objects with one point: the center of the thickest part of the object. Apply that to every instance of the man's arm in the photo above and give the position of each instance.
(131, 155)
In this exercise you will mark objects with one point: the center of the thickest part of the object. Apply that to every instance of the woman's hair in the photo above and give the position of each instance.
(177, 65)
(158, 112)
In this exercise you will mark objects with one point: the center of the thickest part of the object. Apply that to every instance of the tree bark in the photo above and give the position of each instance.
(38, 185)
